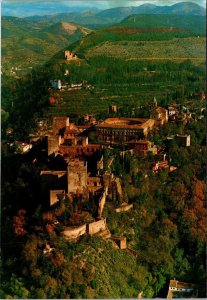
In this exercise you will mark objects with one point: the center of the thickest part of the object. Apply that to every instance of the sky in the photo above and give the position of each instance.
(31, 7)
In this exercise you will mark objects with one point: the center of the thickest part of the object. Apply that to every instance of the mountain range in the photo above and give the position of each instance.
(93, 18)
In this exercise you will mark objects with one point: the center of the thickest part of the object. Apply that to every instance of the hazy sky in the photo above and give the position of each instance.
(110, 3)
(13, 7)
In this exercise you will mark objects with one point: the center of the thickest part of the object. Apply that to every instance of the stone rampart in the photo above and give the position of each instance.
(124, 207)
(96, 226)
(73, 233)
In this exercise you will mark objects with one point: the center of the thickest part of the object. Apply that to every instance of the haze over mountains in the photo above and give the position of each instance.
(114, 15)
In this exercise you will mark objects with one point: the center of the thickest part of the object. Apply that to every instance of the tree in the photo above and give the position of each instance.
(19, 222)
(16, 289)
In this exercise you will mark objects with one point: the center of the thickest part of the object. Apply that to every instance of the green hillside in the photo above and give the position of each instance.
(26, 44)
(148, 36)
(125, 65)
(130, 63)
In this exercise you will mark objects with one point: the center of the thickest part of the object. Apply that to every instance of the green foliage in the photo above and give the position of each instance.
(195, 24)
(34, 43)
(15, 289)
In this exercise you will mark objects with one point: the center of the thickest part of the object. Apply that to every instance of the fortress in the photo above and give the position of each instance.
(119, 130)
(71, 140)
(70, 55)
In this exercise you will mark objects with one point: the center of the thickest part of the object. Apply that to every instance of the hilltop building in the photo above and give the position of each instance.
(69, 55)
(122, 130)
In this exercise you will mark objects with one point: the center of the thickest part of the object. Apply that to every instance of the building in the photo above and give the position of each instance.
(89, 120)
(69, 139)
(79, 151)
(55, 196)
(182, 140)
(123, 130)
(77, 176)
(172, 111)
(160, 165)
(22, 147)
(178, 289)
(48, 249)
(160, 115)
(56, 83)
(144, 146)
(69, 55)
(53, 143)
(53, 186)
(120, 241)
(153, 103)
(112, 108)
(59, 123)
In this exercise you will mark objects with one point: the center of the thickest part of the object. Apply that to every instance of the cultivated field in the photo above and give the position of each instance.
(193, 48)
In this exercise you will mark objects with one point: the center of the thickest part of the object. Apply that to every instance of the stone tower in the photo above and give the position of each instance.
(59, 123)
(77, 176)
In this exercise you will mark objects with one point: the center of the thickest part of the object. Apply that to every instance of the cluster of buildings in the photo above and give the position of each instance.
(71, 140)
(84, 173)
(186, 113)
(84, 159)
(59, 85)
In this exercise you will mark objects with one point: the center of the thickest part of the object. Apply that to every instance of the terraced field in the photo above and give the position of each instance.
(126, 96)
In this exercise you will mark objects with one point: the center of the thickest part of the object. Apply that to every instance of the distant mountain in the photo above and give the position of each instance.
(28, 43)
(182, 8)
(122, 12)
(86, 18)
(93, 19)
(192, 24)
(24, 8)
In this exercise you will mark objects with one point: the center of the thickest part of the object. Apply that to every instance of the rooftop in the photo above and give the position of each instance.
(159, 109)
(132, 123)
(180, 284)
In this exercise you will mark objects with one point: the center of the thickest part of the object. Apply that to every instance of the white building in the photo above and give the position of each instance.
(56, 83)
